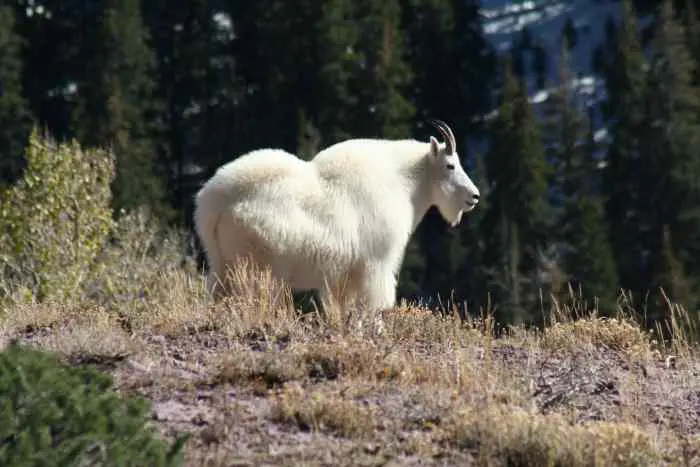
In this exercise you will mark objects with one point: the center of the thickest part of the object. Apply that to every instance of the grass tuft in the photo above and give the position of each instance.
(318, 411)
(504, 435)
(619, 335)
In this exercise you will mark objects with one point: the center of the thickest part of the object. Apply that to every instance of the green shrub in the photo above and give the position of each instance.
(55, 219)
(131, 272)
(51, 414)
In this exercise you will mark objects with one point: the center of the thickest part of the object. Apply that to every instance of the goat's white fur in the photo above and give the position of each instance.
(339, 223)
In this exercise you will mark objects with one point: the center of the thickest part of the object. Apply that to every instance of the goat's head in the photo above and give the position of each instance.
(454, 193)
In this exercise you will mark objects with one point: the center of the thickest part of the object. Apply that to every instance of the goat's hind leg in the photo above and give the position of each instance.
(248, 277)
(255, 285)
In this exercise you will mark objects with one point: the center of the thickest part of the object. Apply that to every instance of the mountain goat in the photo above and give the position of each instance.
(338, 223)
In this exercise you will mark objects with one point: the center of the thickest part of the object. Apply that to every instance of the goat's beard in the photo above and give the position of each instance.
(451, 214)
(457, 218)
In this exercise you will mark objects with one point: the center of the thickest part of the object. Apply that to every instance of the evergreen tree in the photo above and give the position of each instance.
(383, 77)
(52, 60)
(300, 64)
(580, 224)
(692, 29)
(670, 279)
(191, 77)
(116, 104)
(569, 33)
(518, 208)
(452, 63)
(339, 55)
(15, 118)
(469, 280)
(589, 262)
(624, 176)
(412, 274)
(672, 191)
(263, 48)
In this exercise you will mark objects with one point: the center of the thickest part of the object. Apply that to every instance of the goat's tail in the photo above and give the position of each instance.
(207, 213)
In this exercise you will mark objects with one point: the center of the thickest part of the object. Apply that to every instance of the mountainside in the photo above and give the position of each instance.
(505, 23)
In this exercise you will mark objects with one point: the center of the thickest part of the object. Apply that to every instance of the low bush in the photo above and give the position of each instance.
(52, 414)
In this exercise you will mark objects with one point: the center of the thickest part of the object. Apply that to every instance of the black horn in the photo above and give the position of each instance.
(444, 129)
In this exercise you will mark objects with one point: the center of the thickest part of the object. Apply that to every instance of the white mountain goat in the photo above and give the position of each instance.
(338, 223)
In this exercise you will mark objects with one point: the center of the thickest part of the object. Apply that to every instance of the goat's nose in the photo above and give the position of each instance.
(476, 197)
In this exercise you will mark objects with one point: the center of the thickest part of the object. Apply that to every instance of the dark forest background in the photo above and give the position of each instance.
(179, 87)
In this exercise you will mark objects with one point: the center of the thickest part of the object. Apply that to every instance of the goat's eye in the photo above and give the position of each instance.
(450, 166)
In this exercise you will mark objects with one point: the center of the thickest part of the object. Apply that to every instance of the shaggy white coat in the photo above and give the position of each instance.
(339, 223)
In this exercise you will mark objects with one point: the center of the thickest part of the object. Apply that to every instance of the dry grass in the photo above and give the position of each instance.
(265, 385)
(499, 435)
(322, 411)
(619, 335)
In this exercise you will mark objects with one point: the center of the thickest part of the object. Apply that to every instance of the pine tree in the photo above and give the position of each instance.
(518, 208)
(624, 176)
(339, 55)
(447, 35)
(299, 61)
(670, 280)
(672, 190)
(116, 105)
(580, 224)
(692, 29)
(15, 118)
(193, 81)
(469, 280)
(569, 33)
(51, 64)
(412, 274)
(589, 262)
(383, 107)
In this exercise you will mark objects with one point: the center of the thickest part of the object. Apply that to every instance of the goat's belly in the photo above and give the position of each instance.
(305, 278)
(305, 272)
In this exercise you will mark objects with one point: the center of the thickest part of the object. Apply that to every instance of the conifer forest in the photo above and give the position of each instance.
(595, 199)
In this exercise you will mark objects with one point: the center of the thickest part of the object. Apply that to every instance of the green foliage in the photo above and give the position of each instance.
(299, 58)
(383, 77)
(447, 36)
(56, 415)
(516, 221)
(410, 276)
(128, 273)
(581, 229)
(670, 277)
(590, 262)
(115, 103)
(56, 219)
(186, 42)
(15, 118)
(673, 109)
(624, 178)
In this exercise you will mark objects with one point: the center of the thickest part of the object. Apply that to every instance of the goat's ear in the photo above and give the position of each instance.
(434, 147)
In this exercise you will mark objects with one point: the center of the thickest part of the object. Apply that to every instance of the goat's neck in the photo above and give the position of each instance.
(420, 190)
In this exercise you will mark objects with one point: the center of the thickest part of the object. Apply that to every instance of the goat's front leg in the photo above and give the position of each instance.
(378, 293)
